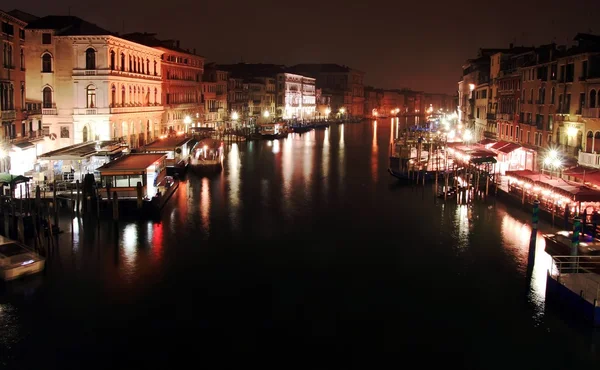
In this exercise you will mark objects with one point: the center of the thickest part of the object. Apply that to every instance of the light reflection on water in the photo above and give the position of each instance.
(374, 155)
(233, 167)
(325, 159)
(205, 204)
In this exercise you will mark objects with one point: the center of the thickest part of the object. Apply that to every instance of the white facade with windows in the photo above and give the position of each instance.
(94, 88)
(296, 96)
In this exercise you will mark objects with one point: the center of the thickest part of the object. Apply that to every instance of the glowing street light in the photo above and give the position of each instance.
(467, 135)
(471, 87)
(342, 110)
(451, 134)
(327, 111)
(234, 116)
(266, 114)
(187, 120)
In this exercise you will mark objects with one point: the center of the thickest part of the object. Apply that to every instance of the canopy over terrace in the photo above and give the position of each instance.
(554, 187)
(81, 158)
(475, 154)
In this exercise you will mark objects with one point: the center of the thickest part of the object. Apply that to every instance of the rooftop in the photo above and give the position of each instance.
(67, 25)
(23, 16)
(84, 150)
(150, 39)
(166, 144)
(132, 162)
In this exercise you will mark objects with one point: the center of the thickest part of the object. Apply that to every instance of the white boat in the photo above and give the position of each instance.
(17, 260)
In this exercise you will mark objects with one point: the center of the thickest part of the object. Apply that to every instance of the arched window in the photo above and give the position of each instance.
(47, 97)
(47, 63)
(552, 95)
(143, 70)
(131, 98)
(155, 96)
(123, 97)
(155, 72)
(589, 137)
(112, 60)
(113, 96)
(531, 96)
(85, 134)
(147, 98)
(130, 65)
(147, 66)
(139, 65)
(593, 99)
(22, 60)
(91, 96)
(8, 59)
(90, 59)
(122, 61)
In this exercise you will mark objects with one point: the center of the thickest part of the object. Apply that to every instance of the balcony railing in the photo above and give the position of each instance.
(50, 111)
(152, 108)
(590, 112)
(505, 116)
(589, 159)
(9, 115)
(106, 72)
(491, 116)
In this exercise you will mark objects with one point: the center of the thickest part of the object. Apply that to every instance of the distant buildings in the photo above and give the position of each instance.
(215, 94)
(296, 96)
(343, 84)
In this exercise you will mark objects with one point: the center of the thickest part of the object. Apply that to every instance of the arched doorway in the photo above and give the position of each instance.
(84, 133)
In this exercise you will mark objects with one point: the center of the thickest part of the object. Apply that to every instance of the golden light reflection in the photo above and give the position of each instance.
(392, 132)
(461, 222)
(374, 157)
(307, 160)
(342, 136)
(516, 236)
(325, 161)
(205, 204)
(288, 170)
(130, 241)
(233, 167)
(276, 146)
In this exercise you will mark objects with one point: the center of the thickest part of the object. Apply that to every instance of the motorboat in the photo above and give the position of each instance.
(207, 155)
(17, 260)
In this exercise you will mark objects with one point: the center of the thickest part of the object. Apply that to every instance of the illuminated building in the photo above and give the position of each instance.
(296, 96)
(182, 72)
(21, 133)
(92, 85)
(342, 83)
(214, 92)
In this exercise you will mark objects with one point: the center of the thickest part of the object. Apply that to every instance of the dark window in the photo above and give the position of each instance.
(21, 34)
(46, 63)
(122, 62)
(91, 96)
(46, 38)
(90, 59)
(112, 60)
(47, 97)
(8, 28)
(22, 57)
(593, 99)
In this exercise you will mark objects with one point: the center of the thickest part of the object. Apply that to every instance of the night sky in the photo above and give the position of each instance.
(417, 44)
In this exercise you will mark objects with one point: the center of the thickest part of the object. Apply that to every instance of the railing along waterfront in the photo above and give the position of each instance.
(579, 274)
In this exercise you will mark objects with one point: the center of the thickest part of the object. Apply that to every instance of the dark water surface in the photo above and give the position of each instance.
(302, 246)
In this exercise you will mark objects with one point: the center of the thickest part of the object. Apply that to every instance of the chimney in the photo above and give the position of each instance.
(177, 43)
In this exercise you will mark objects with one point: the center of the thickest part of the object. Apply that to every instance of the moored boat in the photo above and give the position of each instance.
(17, 260)
(207, 156)
(561, 242)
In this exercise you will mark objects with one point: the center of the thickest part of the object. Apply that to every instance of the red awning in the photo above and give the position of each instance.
(511, 147)
(486, 141)
(500, 144)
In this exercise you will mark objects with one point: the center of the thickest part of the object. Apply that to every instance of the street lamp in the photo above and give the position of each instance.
(552, 161)
(266, 114)
(234, 116)
(327, 111)
(467, 136)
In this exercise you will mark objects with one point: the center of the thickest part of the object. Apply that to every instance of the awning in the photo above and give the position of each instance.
(511, 147)
(499, 145)
(24, 145)
(7, 178)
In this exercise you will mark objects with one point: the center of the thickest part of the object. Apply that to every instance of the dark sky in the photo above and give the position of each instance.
(417, 44)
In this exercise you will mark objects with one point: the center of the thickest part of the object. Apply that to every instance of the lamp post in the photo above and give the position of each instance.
(552, 161)
(467, 136)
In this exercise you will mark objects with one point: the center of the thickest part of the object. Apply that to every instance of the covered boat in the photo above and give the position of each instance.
(207, 156)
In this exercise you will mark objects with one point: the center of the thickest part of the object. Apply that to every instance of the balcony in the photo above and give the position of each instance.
(50, 111)
(505, 117)
(590, 112)
(140, 109)
(29, 136)
(9, 115)
(589, 159)
(107, 72)
(490, 116)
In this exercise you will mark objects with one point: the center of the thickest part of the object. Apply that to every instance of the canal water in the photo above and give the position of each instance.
(301, 247)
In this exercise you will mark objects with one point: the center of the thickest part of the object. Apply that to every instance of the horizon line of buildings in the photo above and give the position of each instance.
(65, 81)
(542, 98)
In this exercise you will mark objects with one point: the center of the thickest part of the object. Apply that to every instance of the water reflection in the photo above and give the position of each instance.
(461, 225)
(374, 155)
(130, 242)
(276, 146)
(288, 172)
(516, 236)
(325, 159)
(233, 167)
(205, 205)
(307, 162)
